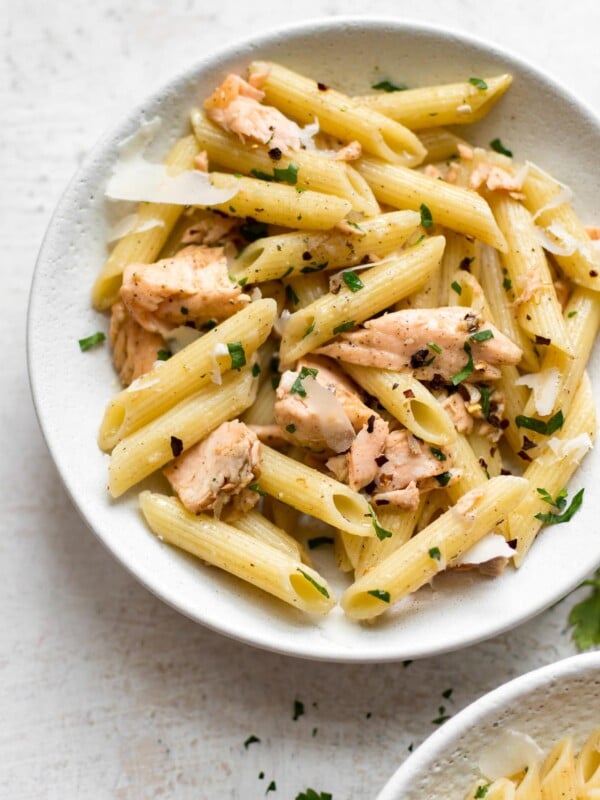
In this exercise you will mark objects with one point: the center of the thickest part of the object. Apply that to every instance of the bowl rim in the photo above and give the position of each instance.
(494, 702)
(105, 142)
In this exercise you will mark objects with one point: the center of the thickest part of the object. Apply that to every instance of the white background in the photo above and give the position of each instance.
(104, 691)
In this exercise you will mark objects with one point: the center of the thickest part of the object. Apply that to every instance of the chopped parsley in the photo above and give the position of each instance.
(288, 271)
(388, 86)
(272, 787)
(298, 710)
(243, 281)
(486, 393)
(352, 281)
(314, 268)
(291, 428)
(291, 295)
(309, 330)
(91, 341)
(163, 355)
(321, 589)
(380, 594)
(482, 791)
(447, 694)
(310, 794)
(443, 717)
(438, 454)
(319, 541)
(254, 487)
(507, 284)
(572, 314)
(434, 552)
(406, 664)
(444, 479)
(252, 230)
(497, 145)
(467, 369)
(297, 387)
(426, 218)
(251, 740)
(209, 325)
(559, 503)
(255, 370)
(381, 532)
(287, 174)
(481, 336)
(539, 426)
(585, 616)
(457, 287)
(184, 310)
(435, 347)
(237, 355)
(479, 83)
(343, 327)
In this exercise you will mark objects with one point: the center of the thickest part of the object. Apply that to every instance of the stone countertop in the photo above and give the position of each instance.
(105, 691)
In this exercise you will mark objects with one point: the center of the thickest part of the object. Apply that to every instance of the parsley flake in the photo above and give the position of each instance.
(291, 295)
(426, 218)
(559, 504)
(479, 83)
(251, 740)
(380, 594)
(321, 589)
(297, 387)
(309, 330)
(298, 709)
(507, 284)
(435, 347)
(252, 230)
(91, 341)
(255, 370)
(585, 616)
(381, 532)
(438, 454)
(388, 86)
(163, 355)
(481, 336)
(497, 145)
(444, 478)
(237, 355)
(443, 717)
(291, 428)
(482, 791)
(272, 787)
(467, 369)
(352, 281)
(310, 794)
(314, 268)
(254, 487)
(457, 287)
(539, 426)
(343, 327)
(434, 552)
(287, 174)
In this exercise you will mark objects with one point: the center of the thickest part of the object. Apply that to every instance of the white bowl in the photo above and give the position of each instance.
(537, 119)
(562, 699)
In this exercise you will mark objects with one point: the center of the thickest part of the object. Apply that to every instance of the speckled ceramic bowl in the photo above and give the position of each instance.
(539, 120)
(562, 699)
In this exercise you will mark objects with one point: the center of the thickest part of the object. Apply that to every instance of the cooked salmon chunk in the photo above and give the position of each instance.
(366, 451)
(134, 350)
(429, 341)
(236, 106)
(214, 474)
(408, 466)
(318, 407)
(192, 286)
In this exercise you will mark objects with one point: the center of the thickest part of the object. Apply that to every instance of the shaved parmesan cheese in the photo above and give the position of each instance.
(219, 349)
(465, 108)
(493, 545)
(281, 322)
(545, 385)
(565, 195)
(307, 134)
(557, 240)
(511, 753)
(131, 224)
(574, 449)
(138, 180)
(336, 427)
(180, 337)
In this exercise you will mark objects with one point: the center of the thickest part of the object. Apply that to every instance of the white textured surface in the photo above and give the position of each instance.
(105, 692)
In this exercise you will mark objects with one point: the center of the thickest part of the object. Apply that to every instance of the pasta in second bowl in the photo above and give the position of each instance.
(355, 56)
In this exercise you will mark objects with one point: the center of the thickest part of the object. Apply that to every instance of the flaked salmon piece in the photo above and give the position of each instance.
(366, 452)
(336, 381)
(210, 228)
(432, 171)
(429, 341)
(339, 466)
(310, 414)
(134, 349)
(192, 286)
(236, 106)
(408, 460)
(465, 151)
(209, 475)
(201, 161)
(349, 152)
(407, 498)
(494, 178)
(593, 231)
(455, 405)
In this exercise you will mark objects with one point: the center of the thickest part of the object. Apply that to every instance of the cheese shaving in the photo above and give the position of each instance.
(491, 546)
(219, 349)
(545, 386)
(131, 224)
(574, 449)
(510, 754)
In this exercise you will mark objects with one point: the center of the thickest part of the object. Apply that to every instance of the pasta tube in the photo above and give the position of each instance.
(338, 114)
(423, 556)
(189, 370)
(238, 552)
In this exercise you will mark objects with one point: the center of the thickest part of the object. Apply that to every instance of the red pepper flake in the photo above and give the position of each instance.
(322, 87)
(593, 273)
(522, 454)
(381, 460)
(505, 472)
(306, 256)
(542, 339)
(275, 153)
(371, 423)
(513, 543)
(527, 443)
(407, 392)
(176, 446)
